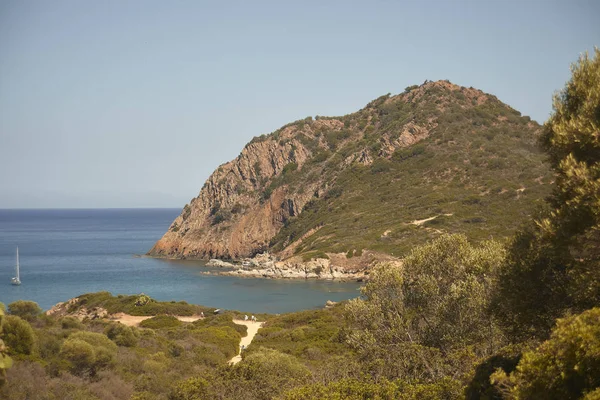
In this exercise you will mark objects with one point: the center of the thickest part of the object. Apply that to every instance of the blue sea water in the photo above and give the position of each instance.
(65, 253)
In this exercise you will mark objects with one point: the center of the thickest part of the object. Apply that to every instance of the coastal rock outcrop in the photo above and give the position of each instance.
(336, 267)
(69, 308)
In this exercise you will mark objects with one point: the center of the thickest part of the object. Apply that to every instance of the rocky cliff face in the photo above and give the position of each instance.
(235, 215)
(259, 201)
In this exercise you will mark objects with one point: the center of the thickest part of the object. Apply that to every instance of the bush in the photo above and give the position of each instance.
(5, 360)
(71, 323)
(567, 366)
(18, 335)
(266, 373)
(27, 310)
(480, 386)
(122, 335)
(432, 306)
(190, 389)
(352, 389)
(225, 338)
(161, 322)
(79, 354)
(88, 352)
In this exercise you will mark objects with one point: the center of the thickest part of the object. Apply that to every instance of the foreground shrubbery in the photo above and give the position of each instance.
(65, 358)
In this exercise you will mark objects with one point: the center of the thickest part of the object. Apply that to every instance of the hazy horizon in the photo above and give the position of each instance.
(134, 104)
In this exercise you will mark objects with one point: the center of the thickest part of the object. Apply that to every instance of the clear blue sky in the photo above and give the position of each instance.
(134, 103)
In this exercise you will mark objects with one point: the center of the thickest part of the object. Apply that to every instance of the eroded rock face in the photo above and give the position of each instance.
(236, 213)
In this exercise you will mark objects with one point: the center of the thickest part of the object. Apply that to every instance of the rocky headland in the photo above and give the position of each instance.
(324, 195)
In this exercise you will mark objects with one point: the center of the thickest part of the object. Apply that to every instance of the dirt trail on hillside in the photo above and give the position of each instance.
(134, 320)
(253, 327)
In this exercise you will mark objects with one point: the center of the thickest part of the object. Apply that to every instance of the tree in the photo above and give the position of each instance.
(554, 263)
(27, 310)
(190, 389)
(263, 374)
(122, 335)
(88, 352)
(5, 360)
(18, 335)
(566, 366)
(413, 316)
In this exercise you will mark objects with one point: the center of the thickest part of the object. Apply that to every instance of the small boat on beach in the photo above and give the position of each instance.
(17, 279)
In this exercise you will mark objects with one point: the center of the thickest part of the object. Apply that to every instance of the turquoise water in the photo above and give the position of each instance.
(65, 253)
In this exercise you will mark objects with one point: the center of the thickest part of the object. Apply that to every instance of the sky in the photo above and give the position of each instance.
(134, 103)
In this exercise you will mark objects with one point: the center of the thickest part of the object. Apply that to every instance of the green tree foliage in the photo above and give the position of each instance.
(18, 335)
(5, 360)
(135, 305)
(566, 366)
(413, 319)
(88, 352)
(161, 322)
(352, 389)
(554, 264)
(264, 374)
(190, 389)
(27, 310)
(122, 335)
(480, 387)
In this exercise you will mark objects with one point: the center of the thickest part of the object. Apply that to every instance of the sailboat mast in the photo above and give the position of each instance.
(18, 263)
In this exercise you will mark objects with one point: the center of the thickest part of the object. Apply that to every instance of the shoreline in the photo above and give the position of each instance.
(336, 268)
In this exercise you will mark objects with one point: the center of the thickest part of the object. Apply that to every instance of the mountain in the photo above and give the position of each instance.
(436, 158)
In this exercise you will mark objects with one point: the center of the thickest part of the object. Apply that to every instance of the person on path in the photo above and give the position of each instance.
(245, 318)
(253, 318)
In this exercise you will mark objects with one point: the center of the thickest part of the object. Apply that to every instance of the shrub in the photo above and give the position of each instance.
(161, 322)
(88, 352)
(566, 366)
(122, 335)
(266, 373)
(27, 310)
(5, 360)
(353, 389)
(480, 386)
(436, 303)
(225, 338)
(79, 354)
(193, 388)
(71, 323)
(18, 335)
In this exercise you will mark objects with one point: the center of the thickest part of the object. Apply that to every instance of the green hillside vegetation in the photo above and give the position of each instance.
(461, 318)
(479, 171)
(137, 305)
(65, 358)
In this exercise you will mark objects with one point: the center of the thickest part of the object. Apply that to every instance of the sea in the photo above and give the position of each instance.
(68, 252)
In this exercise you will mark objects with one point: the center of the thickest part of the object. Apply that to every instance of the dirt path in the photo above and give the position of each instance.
(253, 327)
(422, 221)
(134, 320)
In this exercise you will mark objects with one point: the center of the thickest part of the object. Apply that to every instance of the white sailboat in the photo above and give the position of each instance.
(16, 280)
